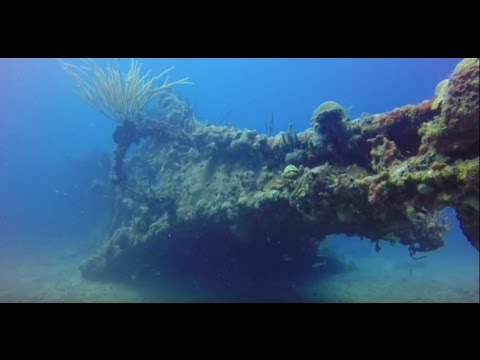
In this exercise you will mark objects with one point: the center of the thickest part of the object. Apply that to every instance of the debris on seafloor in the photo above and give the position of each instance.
(225, 191)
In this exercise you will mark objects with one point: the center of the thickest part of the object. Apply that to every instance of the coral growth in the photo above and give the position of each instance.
(384, 153)
(455, 133)
(120, 96)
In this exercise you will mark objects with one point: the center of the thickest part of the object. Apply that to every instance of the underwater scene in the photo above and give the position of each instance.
(239, 180)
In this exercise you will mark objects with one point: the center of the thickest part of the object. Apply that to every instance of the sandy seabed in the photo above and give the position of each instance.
(50, 274)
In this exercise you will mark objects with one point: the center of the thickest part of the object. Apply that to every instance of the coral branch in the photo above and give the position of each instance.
(119, 96)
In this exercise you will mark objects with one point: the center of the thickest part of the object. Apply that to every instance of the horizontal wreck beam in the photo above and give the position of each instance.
(382, 177)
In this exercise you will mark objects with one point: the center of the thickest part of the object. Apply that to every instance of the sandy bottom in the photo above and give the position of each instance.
(51, 275)
(54, 277)
(378, 280)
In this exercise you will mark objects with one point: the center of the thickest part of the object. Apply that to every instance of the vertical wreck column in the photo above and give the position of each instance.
(469, 223)
(124, 135)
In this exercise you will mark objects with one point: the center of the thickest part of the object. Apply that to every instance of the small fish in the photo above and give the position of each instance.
(421, 209)
(319, 264)
(285, 257)
(59, 192)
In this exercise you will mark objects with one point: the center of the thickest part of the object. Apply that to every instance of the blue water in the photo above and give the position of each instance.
(45, 131)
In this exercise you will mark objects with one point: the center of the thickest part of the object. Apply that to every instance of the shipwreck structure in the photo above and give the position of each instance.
(224, 191)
